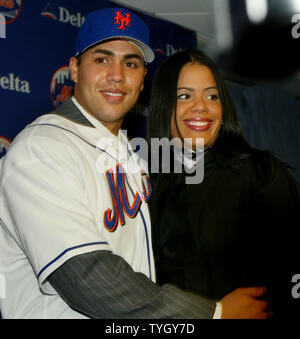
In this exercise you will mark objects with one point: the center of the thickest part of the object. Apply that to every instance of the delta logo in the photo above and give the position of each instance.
(14, 83)
(168, 50)
(61, 86)
(10, 9)
(4, 146)
(63, 15)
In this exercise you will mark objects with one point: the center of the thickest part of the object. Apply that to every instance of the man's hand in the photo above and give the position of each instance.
(242, 304)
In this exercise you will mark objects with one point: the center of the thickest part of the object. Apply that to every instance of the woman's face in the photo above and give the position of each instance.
(199, 109)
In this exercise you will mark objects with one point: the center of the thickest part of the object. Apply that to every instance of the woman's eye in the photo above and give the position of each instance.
(183, 96)
(213, 97)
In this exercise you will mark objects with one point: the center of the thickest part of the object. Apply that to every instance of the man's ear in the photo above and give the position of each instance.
(142, 87)
(74, 67)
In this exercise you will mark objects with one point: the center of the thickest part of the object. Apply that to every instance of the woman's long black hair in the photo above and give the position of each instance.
(231, 144)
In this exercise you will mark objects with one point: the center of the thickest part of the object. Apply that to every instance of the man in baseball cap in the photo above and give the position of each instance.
(75, 241)
(110, 63)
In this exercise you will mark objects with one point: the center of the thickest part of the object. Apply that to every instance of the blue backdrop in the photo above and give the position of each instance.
(40, 39)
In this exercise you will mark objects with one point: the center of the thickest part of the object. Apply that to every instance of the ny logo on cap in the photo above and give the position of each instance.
(122, 20)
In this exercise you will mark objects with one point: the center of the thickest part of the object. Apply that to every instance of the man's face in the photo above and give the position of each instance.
(108, 81)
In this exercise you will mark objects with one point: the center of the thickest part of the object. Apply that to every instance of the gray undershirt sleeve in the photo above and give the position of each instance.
(102, 285)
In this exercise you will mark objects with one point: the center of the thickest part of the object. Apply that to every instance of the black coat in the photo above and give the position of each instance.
(229, 231)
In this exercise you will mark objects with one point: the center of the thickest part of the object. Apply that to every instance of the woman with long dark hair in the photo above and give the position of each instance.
(239, 226)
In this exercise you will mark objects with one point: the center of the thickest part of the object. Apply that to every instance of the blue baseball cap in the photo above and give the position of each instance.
(112, 23)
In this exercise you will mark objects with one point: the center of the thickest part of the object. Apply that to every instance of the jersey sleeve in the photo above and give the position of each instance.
(47, 206)
(106, 291)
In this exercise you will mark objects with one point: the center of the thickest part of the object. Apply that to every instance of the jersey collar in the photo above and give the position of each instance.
(71, 110)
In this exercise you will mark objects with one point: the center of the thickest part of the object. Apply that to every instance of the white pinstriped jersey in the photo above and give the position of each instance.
(68, 188)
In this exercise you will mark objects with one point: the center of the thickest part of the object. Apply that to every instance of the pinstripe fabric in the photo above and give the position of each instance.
(102, 285)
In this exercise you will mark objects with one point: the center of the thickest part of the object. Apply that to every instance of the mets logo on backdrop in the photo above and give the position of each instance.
(4, 146)
(10, 9)
(61, 86)
(122, 20)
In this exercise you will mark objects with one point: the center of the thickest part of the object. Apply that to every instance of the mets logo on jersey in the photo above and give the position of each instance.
(10, 9)
(122, 20)
(112, 217)
(4, 146)
(61, 86)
